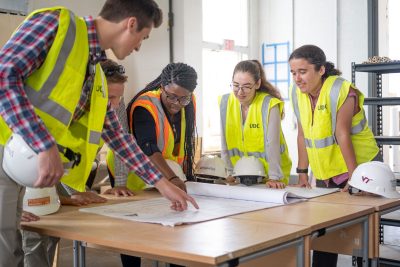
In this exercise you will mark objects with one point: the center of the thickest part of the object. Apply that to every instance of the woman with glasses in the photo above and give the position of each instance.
(333, 133)
(251, 123)
(162, 119)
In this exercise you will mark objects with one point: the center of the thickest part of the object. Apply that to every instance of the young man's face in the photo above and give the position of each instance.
(131, 39)
(115, 93)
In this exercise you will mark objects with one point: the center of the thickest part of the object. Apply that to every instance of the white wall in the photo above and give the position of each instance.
(353, 39)
(141, 67)
(187, 39)
(145, 66)
(276, 21)
(339, 27)
(315, 22)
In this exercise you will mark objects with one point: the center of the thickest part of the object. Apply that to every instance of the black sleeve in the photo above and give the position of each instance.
(144, 130)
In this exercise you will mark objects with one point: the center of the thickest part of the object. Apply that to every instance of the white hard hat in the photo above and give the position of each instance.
(375, 177)
(210, 168)
(41, 201)
(176, 168)
(20, 162)
(249, 170)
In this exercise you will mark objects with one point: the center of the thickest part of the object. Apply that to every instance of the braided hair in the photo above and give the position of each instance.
(185, 76)
(315, 56)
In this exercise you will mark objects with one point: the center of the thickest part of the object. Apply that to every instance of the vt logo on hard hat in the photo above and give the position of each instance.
(365, 179)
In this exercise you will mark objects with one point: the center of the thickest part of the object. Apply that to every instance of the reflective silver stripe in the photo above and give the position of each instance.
(160, 138)
(223, 108)
(235, 152)
(94, 137)
(308, 142)
(40, 99)
(68, 165)
(223, 112)
(295, 102)
(328, 141)
(283, 148)
(334, 96)
(264, 114)
(360, 126)
(257, 154)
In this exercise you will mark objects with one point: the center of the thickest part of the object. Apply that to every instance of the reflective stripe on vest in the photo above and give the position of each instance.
(40, 98)
(334, 96)
(160, 138)
(265, 109)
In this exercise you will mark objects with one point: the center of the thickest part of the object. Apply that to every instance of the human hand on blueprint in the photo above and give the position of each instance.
(277, 184)
(346, 187)
(82, 198)
(177, 196)
(118, 191)
(29, 217)
(303, 181)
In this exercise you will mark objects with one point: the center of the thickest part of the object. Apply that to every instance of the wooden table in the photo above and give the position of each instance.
(221, 242)
(323, 219)
(380, 205)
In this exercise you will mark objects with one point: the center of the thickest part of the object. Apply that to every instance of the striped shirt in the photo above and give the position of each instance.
(21, 56)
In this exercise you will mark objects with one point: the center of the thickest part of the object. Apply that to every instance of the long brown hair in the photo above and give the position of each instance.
(254, 68)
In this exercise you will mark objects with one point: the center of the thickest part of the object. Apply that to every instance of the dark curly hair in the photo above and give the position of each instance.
(315, 56)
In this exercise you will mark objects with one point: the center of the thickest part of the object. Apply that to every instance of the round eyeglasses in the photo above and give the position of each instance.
(173, 99)
(245, 88)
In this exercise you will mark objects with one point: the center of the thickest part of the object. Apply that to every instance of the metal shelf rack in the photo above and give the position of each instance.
(376, 100)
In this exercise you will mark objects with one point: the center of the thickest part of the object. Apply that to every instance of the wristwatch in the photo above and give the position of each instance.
(298, 170)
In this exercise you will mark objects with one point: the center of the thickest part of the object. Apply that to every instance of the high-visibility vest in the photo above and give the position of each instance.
(249, 139)
(54, 90)
(324, 154)
(151, 101)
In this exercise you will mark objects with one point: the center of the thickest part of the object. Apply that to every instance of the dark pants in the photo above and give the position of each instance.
(112, 179)
(322, 259)
(132, 261)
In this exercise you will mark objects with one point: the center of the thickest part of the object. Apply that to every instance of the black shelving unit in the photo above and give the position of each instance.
(375, 100)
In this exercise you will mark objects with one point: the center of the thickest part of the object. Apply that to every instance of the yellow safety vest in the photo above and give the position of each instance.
(165, 136)
(324, 155)
(249, 139)
(54, 90)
